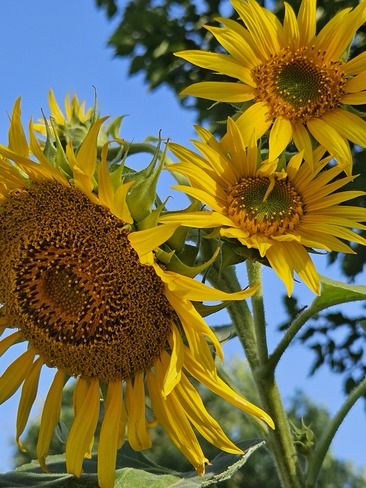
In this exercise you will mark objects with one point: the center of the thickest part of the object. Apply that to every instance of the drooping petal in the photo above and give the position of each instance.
(174, 371)
(50, 416)
(14, 375)
(137, 431)
(348, 125)
(9, 341)
(144, 241)
(254, 120)
(27, 397)
(302, 140)
(109, 435)
(83, 428)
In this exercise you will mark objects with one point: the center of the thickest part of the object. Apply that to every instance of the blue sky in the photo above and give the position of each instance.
(62, 45)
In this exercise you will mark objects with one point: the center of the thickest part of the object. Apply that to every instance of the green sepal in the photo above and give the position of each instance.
(152, 219)
(141, 197)
(59, 158)
(225, 333)
(164, 256)
(206, 310)
(180, 267)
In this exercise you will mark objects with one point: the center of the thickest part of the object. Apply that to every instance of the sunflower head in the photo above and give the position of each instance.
(89, 297)
(296, 82)
(282, 210)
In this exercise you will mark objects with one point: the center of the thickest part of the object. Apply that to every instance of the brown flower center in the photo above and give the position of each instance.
(71, 281)
(299, 85)
(259, 205)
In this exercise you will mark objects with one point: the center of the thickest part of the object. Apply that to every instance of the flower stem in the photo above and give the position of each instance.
(325, 440)
(280, 440)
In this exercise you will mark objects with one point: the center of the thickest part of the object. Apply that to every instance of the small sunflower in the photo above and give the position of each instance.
(88, 296)
(279, 212)
(299, 81)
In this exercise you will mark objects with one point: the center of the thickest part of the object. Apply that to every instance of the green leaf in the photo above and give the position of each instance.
(138, 471)
(336, 292)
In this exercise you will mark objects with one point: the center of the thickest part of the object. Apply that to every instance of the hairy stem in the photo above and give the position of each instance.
(280, 440)
(325, 440)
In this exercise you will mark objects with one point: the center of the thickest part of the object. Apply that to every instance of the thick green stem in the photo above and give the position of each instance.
(324, 442)
(280, 440)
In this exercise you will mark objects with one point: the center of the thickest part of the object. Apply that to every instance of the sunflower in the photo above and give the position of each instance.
(279, 212)
(295, 82)
(89, 299)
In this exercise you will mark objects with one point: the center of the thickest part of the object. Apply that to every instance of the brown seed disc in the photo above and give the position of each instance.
(71, 281)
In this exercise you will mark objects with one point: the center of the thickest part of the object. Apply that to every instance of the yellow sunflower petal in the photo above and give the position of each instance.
(291, 27)
(28, 395)
(203, 220)
(109, 438)
(348, 125)
(174, 421)
(202, 196)
(303, 265)
(9, 341)
(254, 120)
(50, 416)
(306, 19)
(262, 30)
(354, 98)
(221, 63)
(235, 45)
(83, 428)
(220, 91)
(325, 36)
(279, 137)
(87, 153)
(55, 108)
(14, 375)
(277, 258)
(174, 371)
(215, 384)
(302, 141)
(17, 140)
(355, 65)
(137, 431)
(144, 241)
(105, 187)
(356, 84)
(330, 138)
(206, 425)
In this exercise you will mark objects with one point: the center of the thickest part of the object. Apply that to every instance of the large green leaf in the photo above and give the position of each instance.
(138, 471)
(335, 292)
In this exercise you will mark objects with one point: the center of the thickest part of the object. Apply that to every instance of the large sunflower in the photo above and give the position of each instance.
(86, 294)
(300, 83)
(279, 212)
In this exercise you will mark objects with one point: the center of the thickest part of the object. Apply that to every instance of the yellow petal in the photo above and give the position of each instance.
(262, 30)
(173, 373)
(254, 120)
(206, 425)
(80, 391)
(306, 19)
(291, 27)
(55, 109)
(87, 153)
(220, 91)
(9, 341)
(119, 206)
(192, 321)
(354, 98)
(144, 241)
(203, 220)
(348, 125)
(215, 384)
(277, 258)
(356, 84)
(221, 63)
(28, 395)
(279, 137)
(356, 65)
(137, 429)
(236, 45)
(331, 139)
(109, 438)
(302, 141)
(17, 140)
(50, 416)
(105, 188)
(174, 421)
(201, 196)
(14, 375)
(83, 428)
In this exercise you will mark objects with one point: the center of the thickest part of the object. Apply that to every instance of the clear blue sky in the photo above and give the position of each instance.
(62, 44)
